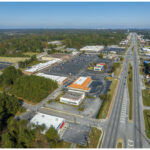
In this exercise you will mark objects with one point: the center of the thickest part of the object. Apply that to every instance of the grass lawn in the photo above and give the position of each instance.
(119, 145)
(63, 144)
(146, 97)
(130, 88)
(118, 70)
(30, 53)
(13, 59)
(93, 138)
(147, 122)
(106, 104)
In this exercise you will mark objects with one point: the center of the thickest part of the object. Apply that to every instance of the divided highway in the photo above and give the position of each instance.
(113, 124)
(136, 95)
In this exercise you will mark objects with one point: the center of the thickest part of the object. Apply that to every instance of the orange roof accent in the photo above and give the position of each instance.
(83, 86)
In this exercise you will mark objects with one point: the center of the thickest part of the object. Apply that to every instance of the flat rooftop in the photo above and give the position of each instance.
(81, 83)
(42, 65)
(47, 120)
(96, 48)
(59, 79)
(73, 95)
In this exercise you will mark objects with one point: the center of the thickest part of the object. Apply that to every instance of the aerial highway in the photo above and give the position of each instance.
(113, 125)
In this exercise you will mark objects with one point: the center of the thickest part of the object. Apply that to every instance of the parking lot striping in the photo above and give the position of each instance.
(73, 121)
(62, 112)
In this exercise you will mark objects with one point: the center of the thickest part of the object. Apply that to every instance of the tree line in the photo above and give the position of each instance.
(38, 40)
(32, 88)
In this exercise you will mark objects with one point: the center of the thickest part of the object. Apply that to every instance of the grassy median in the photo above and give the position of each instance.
(119, 145)
(130, 88)
(146, 97)
(106, 103)
(93, 139)
(147, 122)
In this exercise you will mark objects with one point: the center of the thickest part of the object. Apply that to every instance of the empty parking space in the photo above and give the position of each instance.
(76, 133)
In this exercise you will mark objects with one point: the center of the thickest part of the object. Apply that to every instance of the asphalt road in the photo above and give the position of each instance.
(136, 95)
(113, 124)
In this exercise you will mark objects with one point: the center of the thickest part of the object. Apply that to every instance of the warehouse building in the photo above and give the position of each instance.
(81, 84)
(73, 97)
(41, 66)
(48, 121)
(91, 49)
(59, 79)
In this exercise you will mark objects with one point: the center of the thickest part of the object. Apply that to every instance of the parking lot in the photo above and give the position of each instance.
(73, 66)
(4, 65)
(76, 133)
(91, 107)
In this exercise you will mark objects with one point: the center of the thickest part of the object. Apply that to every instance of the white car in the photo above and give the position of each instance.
(130, 143)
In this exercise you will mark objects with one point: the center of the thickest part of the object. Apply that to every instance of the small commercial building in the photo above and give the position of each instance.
(98, 68)
(92, 49)
(41, 66)
(48, 121)
(81, 84)
(73, 97)
(59, 79)
(101, 64)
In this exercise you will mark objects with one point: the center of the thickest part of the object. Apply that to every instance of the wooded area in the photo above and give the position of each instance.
(32, 88)
(37, 40)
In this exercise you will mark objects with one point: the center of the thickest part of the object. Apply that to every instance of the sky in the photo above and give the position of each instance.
(74, 15)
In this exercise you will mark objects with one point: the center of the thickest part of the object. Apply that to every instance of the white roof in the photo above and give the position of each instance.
(92, 48)
(42, 65)
(80, 80)
(59, 79)
(47, 120)
(55, 42)
(147, 54)
(145, 49)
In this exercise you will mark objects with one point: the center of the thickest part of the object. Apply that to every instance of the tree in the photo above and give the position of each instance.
(101, 56)
(9, 106)
(52, 134)
(10, 74)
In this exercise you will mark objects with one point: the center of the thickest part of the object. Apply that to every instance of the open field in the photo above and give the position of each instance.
(146, 97)
(13, 59)
(130, 89)
(106, 104)
(30, 53)
(147, 122)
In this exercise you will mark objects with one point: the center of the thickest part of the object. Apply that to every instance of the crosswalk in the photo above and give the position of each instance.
(123, 110)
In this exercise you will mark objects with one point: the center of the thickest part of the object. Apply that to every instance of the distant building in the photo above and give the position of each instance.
(71, 49)
(91, 49)
(55, 42)
(59, 79)
(145, 49)
(48, 121)
(72, 97)
(81, 84)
